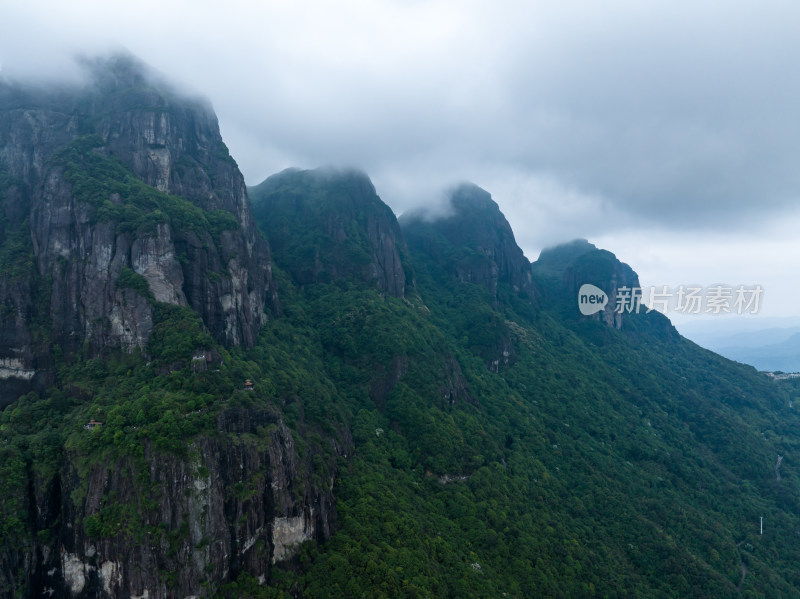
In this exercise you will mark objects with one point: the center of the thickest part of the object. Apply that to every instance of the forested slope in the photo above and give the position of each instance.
(283, 391)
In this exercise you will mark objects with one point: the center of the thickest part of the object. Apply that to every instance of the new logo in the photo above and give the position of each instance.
(591, 299)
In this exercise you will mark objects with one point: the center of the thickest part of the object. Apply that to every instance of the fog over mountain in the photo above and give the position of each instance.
(666, 132)
(214, 389)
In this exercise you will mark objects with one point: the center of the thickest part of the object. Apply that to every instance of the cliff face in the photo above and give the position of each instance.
(30, 131)
(569, 266)
(474, 242)
(75, 166)
(122, 220)
(352, 234)
(173, 144)
(616, 278)
(236, 505)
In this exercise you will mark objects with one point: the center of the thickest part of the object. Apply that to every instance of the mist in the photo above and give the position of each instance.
(646, 128)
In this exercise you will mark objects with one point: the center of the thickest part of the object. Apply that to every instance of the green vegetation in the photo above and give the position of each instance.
(334, 211)
(130, 279)
(108, 186)
(596, 462)
(16, 252)
(16, 249)
(159, 405)
(494, 447)
(592, 467)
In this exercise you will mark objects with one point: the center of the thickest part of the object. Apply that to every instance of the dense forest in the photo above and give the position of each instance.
(420, 411)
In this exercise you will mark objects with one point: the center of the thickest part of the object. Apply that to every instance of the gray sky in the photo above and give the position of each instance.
(667, 132)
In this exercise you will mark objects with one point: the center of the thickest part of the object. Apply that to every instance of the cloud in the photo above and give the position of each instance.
(675, 114)
(602, 120)
(764, 255)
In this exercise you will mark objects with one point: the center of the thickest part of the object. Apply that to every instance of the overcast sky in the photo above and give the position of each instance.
(667, 132)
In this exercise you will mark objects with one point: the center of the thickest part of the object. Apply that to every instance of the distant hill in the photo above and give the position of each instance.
(769, 349)
(784, 355)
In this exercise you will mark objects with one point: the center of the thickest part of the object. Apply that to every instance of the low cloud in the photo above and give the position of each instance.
(672, 114)
(582, 120)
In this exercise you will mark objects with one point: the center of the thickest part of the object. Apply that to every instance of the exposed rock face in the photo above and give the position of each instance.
(617, 279)
(56, 223)
(571, 265)
(354, 234)
(30, 131)
(235, 505)
(84, 302)
(117, 198)
(475, 242)
(455, 388)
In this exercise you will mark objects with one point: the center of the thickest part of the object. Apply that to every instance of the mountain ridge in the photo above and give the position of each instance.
(489, 253)
(353, 404)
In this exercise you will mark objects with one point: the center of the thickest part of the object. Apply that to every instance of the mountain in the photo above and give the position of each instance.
(731, 331)
(283, 391)
(329, 226)
(474, 242)
(562, 271)
(783, 356)
(769, 349)
(133, 276)
(111, 189)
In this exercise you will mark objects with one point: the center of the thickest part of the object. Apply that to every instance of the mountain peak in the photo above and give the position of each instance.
(315, 179)
(348, 232)
(555, 259)
(468, 196)
(117, 70)
(122, 71)
(563, 269)
(122, 182)
(474, 241)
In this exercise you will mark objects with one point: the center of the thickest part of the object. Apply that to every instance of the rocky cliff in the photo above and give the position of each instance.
(126, 236)
(565, 268)
(162, 525)
(473, 242)
(347, 230)
(120, 174)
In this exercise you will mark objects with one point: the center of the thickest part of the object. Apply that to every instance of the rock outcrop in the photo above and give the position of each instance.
(565, 268)
(474, 242)
(351, 232)
(77, 165)
(238, 504)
